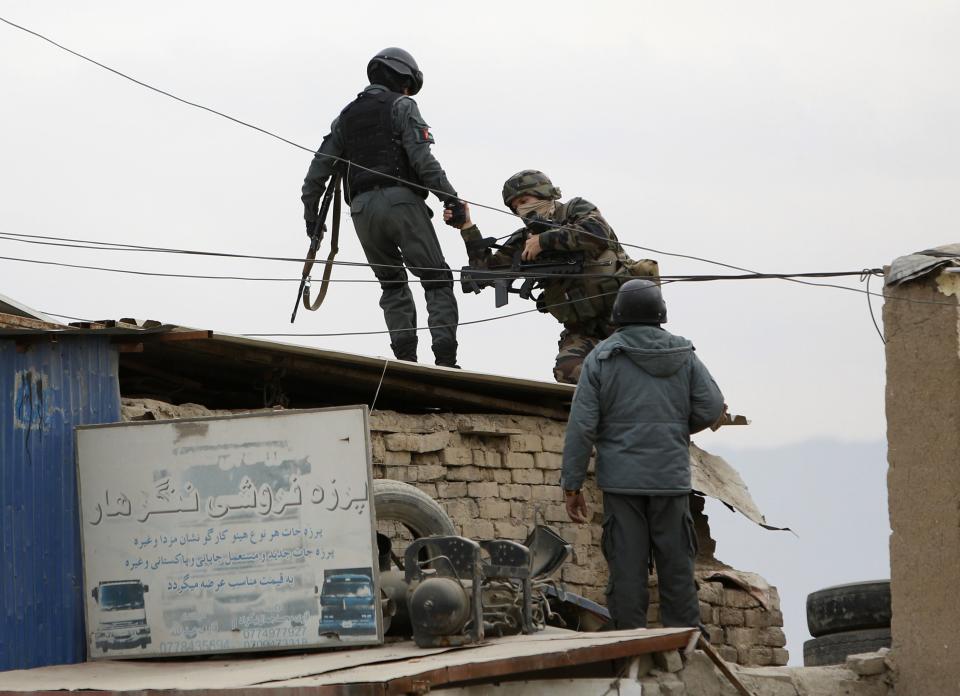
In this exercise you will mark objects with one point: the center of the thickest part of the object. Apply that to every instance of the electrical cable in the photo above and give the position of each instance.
(866, 276)
(111, 246)
(506, 275)
(373, 404)
(264, 131)
(114, 246)
(440, 326)
(530, 311)
(440, 194)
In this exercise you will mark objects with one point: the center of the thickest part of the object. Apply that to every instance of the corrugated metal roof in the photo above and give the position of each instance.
(48, 387)
(12, 307)
(919, 264)
(180, 364)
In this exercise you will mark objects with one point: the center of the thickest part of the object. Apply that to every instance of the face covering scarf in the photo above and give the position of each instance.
(543, 208)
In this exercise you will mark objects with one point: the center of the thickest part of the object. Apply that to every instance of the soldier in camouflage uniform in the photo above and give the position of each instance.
(581, 303)
(382, 133)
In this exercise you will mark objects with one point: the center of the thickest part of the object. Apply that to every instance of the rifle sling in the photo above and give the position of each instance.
(334, 248)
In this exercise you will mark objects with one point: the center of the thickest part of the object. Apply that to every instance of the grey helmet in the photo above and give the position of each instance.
(639, 301)
(397, 61)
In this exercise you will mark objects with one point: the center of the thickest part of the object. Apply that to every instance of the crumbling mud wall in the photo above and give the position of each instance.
(922, 328)
(497, 475)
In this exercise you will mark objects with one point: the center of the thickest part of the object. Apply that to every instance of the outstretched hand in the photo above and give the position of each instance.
(456, 214)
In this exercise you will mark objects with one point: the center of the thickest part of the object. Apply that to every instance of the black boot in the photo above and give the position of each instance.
(446, 355)
(405, 351)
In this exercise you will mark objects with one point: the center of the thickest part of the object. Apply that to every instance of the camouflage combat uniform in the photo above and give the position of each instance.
(581, 304)
(392, 220)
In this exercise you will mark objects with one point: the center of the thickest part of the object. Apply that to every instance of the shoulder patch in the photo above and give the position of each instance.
(423, 132)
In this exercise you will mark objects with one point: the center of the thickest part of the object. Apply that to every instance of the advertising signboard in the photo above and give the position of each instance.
(209, 535)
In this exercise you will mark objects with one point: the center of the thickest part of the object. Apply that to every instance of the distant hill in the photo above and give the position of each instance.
(834, 496)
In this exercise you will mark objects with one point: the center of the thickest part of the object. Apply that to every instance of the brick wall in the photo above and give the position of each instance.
(495, 474)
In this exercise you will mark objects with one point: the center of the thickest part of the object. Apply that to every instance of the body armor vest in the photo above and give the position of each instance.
(369, 140)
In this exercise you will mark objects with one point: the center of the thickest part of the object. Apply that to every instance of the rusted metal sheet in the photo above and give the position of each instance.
(46, 388)
(9, 306)
(713, 476)
(919, 264)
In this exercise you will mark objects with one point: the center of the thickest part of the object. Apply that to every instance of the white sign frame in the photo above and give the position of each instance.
(246, 533)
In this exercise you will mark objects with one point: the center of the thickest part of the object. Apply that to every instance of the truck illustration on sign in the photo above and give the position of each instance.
(121, 616)
(347, 602)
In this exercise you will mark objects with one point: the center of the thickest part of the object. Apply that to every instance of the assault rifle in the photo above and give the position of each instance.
(533, 273)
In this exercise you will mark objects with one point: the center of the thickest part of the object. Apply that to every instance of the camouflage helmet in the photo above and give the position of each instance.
(529, 182)
(399, 63)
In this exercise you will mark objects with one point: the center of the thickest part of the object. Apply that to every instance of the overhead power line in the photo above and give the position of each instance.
(749, 273)
(506, 273)
(241, 122)
(287, 141)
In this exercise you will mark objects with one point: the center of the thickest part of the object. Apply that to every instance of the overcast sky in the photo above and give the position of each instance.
(779, 137)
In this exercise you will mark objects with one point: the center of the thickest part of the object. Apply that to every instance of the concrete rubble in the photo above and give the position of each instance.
(665, 674)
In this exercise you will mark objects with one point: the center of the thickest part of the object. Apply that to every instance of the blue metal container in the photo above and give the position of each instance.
(48, 385)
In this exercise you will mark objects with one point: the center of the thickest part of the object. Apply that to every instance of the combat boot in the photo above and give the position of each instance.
(446, 354)
(405, 351)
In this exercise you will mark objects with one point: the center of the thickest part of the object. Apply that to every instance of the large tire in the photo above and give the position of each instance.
(853, 607)
(411, 507)
(834, 649)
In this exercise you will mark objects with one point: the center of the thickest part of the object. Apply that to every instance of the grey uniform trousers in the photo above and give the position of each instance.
(634, 527)
(394, 228)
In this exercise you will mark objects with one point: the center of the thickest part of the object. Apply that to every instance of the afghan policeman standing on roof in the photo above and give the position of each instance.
(582, 304)
(641, 393)
(387, 143)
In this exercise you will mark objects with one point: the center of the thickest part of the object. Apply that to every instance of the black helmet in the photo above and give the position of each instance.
(397, 61)
(639, 302)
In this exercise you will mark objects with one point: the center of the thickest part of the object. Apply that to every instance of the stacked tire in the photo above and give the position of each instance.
(847, 620)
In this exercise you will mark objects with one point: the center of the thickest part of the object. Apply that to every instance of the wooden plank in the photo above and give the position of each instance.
(505, 656)
(13, 321)
(494, 431)
(568, 658)
(180, 335)
(230, 673)
(396, 669)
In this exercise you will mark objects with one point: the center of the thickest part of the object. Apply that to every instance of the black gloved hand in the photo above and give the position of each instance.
(458, 212)
(311, 226)
(538, 224)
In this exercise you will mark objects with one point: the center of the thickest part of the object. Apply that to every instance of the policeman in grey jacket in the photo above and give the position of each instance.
(641, 393)
(391, 169)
